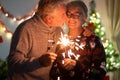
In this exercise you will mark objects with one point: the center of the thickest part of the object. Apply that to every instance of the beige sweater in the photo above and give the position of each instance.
(29, 42)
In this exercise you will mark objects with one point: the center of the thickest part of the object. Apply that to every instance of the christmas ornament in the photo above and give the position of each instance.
(1, 40)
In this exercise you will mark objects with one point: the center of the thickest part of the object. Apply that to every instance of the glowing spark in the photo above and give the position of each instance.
(64, 40)
(70, 53)
(58, 78)
(63, 55)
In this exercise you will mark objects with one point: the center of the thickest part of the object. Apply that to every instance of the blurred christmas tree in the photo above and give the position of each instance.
(113, 58)
(3, 69)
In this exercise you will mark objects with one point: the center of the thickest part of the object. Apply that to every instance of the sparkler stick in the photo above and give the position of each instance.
(58, 78)
(68, 45)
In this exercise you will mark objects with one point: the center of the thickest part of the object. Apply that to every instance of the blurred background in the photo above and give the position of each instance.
(105, 14)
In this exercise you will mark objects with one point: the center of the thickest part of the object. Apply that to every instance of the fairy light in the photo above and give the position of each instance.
(97, 21)
(8, 35)
(102, 28)
(14, 19)
(97, 30)
(102, 33)
(7, 14)
(102, 38)
(106, 43)
(98, 15)
(4, 30)
(99, 26)
(93, 15)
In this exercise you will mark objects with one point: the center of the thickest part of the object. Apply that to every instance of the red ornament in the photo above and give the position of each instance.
(1, 40)
(106, 78)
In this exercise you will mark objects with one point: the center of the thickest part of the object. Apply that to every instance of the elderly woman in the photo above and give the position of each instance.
(91, 65)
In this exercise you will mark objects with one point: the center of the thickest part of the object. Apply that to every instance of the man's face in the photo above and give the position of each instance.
(59, 17)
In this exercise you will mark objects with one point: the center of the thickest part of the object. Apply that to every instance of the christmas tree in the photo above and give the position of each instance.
(112, 57)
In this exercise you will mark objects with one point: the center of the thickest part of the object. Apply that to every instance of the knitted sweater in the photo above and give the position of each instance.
(29, 42)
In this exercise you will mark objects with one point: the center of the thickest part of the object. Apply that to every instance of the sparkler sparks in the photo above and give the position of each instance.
(68, 47)
(70, 53)
(65, 42)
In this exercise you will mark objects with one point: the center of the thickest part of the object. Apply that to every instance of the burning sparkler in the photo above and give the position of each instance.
(65, 42)
(67, 46)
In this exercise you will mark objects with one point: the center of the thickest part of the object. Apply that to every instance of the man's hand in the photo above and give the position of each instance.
(47, 59)
(88, 31)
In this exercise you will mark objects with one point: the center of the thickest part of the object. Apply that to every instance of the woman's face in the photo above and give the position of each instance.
(75, 17)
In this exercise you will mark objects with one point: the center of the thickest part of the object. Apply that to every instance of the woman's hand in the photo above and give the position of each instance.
(69, 64)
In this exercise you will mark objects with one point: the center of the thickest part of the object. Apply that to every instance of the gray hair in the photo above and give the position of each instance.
(79, 4)
(46, 7)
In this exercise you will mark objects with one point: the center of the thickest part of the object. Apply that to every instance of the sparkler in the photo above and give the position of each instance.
(68, 45)
(65, 42)
(70, 53)
(58, 78)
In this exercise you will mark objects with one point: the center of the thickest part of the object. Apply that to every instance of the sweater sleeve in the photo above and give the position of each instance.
(99, 59)
(18, 60)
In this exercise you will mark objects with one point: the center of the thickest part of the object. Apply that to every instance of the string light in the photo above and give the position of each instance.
(3, 28)
(9, 35)
(7, 14)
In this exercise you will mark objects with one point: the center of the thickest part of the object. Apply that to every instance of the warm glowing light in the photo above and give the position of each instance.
(64, 40)
(105, 44)
(93, 15)
(0, 7)
(9, 35)
(98, 15)
(81, 46)
(2, 29)
(6, 14)
(102, 28)
(97, 30)
(14, 19)
(70, 53)
(58, 78)
(102, 33)
(102, 38)
(97, 20)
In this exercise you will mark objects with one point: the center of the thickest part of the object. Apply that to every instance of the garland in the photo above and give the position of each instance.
(9, 15)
